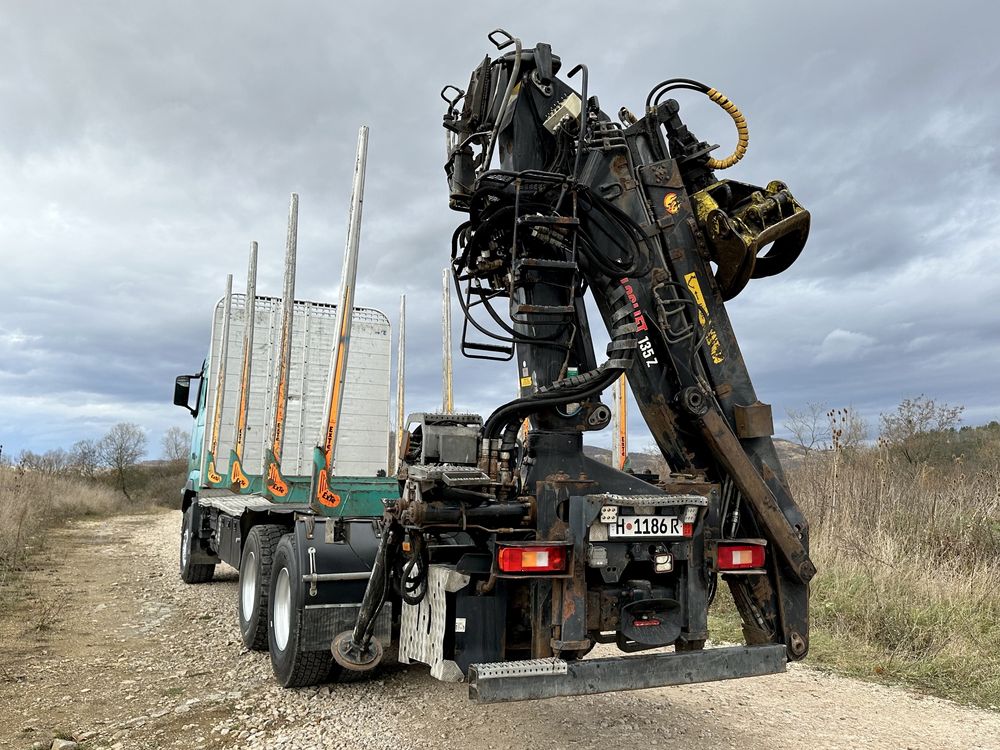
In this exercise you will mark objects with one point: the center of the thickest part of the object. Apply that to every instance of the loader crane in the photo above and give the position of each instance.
(507, 560)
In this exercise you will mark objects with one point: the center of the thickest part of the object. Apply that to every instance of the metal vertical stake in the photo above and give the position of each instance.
(214, 477)
(345, 309)
(620, 452)
(400, 379)
(448, 400)
(237, 475)
(274, 482)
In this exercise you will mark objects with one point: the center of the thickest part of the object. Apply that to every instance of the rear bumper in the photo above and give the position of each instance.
(549, 678)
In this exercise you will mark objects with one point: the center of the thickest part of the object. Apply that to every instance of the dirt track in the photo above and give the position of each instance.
(113, 649)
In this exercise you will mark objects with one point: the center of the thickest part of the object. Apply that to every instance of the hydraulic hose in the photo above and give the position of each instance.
(742, 131)
(621, 352)
(515, 411)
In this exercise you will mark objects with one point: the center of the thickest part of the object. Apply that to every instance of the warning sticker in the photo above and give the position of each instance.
(711, 337)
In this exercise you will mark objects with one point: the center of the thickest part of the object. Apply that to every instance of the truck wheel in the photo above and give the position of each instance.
(292, 667)
(192, 572)
(255, 579)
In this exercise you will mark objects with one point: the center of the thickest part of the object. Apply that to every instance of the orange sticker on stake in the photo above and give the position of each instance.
(670, 203)
(275, 484)
(324, 494)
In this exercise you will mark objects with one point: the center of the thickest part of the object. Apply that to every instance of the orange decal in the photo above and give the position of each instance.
(213, 476)
(237, 477)
(324, 494)
(275, 484)
(279, 418)
(671, 204)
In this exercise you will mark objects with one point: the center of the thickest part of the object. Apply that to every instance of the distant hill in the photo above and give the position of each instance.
(789, 454)
(641, 462)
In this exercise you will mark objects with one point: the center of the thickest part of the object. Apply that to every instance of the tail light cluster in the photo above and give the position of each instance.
(541, 558)
(740, 556)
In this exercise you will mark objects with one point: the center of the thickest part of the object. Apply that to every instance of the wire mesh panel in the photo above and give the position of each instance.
(363, 434)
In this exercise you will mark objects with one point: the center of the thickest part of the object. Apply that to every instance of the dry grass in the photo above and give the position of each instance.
(909, 561)
(31, 502)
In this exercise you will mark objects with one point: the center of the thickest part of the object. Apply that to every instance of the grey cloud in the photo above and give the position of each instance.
(144, 146)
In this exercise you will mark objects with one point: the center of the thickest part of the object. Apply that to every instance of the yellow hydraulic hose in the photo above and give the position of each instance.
(742, 131)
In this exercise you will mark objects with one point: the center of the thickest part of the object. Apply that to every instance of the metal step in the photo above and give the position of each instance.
(554, 265)
(543, 309)
(549, 678)
(499, 348)
(235, 505)
(548, 221)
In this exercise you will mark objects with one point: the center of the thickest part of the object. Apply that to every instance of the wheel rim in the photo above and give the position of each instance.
(248, 586)
(186, 545)
(282, 609)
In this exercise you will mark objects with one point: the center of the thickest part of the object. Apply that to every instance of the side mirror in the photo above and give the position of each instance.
(182, 392)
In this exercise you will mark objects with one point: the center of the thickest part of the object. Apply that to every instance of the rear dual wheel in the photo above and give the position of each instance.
(255, 583)
(292, 666)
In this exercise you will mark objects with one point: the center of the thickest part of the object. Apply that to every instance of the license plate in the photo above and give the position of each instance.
(646, 526)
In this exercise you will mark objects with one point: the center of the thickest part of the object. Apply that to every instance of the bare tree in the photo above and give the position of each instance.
(84, 458)
(29, 460)
(121, 449)
(52, 461)
(914, 420)
(176, 444)
(807, 425)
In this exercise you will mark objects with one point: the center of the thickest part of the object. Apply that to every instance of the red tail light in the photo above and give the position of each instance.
(534, 559)
(741, 556)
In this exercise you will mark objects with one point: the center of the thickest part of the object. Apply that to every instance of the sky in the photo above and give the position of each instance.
(144, 145)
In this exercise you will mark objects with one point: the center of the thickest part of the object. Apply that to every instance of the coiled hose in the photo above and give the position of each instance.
(742, 130)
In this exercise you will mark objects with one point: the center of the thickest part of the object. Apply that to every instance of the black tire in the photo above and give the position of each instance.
(291, 666)
(192, 572)
(255, 580)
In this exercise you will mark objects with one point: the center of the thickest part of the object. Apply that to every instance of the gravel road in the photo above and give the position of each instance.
(111, 648)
